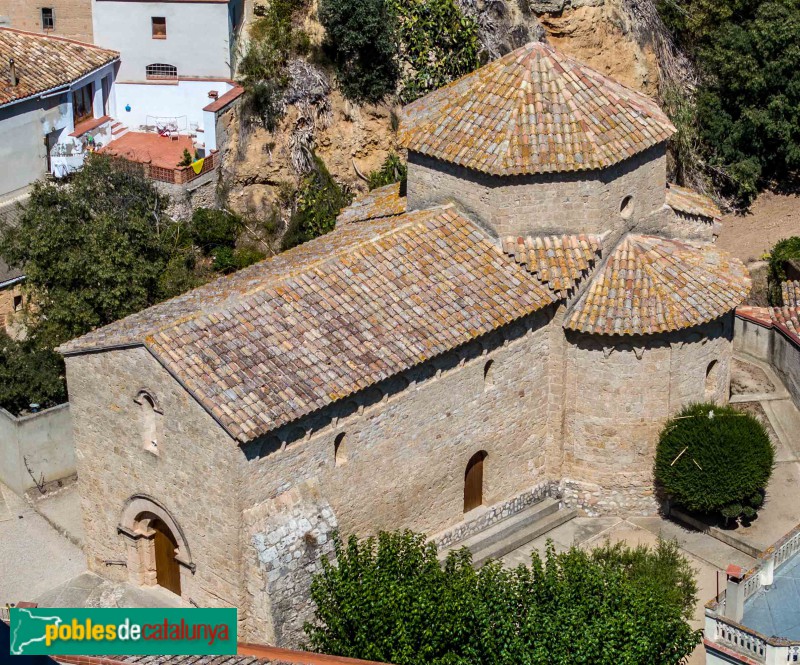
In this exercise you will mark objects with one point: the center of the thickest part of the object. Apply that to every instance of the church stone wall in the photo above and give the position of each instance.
(193, 476)
(406, 454)
(574, 202)
(635, 384)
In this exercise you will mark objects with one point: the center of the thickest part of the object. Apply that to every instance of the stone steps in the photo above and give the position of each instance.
(118, 129)
(513, 532)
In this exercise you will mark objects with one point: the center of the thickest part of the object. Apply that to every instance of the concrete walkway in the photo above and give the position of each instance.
(34, 557)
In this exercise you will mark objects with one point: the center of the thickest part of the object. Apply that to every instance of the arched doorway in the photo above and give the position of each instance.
(158, 553)
(168, 573)
(712, 380)
(473, 482)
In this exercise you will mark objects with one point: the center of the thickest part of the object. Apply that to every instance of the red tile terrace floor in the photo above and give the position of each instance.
(150, 148)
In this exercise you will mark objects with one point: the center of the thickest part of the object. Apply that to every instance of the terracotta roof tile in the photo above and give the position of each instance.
(786, 319)
(534, 110)
(791, 293)
(44, 62)
(690, 202)
(650, 284)
(380, 202)
(558, 261)
(296, 332)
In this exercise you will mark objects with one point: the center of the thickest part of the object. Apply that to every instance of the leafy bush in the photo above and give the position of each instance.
(392, 170)
(211, 228)
(361, 42)
(316, 204)
(784, 250)
(714, 459)
(29, 375)
(748, 56)
(228, 260)
(438, 44)
(389, 600)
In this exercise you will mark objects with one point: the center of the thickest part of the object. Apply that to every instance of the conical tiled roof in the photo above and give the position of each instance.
(651, 284)
(534, 110)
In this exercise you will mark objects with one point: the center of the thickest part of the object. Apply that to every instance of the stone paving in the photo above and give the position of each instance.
(90, 590)
(34, 557)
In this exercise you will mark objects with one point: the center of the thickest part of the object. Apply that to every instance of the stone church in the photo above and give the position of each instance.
(516, 322)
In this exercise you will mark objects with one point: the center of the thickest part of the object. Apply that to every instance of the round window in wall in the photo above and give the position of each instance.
(626, 207)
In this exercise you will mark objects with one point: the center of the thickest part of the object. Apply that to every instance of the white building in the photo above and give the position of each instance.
(177, 58)
(56, 104)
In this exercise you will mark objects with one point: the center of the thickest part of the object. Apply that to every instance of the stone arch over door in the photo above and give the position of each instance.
(149, 529)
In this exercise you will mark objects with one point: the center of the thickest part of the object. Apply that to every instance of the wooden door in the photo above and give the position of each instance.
(168, 572)
(473, 482)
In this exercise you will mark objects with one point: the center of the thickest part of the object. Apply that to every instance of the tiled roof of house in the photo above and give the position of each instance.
(690, 202)
(558, 261)
(380, 202)
(43, 62)
(294, 333)
(790, 291)
(534, 110)
(650, 284)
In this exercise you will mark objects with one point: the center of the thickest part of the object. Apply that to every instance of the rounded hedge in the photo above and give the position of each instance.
(711, 458)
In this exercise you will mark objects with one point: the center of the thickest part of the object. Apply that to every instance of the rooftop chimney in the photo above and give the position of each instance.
(12, 72)
(734, 593)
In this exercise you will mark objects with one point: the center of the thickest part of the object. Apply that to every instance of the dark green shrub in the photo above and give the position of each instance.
(392, 170)
(29, 375)
(784, 250)
(246, 256)
(361, 42)
(710, 464)
(186, 160)
(316, 205)
(390, 600)
(211, 228)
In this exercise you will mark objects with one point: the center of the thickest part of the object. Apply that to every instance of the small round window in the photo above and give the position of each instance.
(626, 207)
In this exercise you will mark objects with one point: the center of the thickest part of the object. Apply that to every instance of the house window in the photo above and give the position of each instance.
(160, 71)
(17, 303)
(488, 375)
(159, 27)
(82, 103)
(626, 207)
(151, 416)
(48, 18)
(339, 450)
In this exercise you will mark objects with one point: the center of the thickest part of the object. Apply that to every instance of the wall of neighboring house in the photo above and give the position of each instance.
(197, 41)
(71, 18)
(23, 129)
(41, 442)
(11, 299)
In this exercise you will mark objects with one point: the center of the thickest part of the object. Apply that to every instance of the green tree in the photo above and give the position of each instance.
(710, 458)
(29, 375)
(361, 42)
(784, 250)
(438, 44)
(316, 205)
(748, 101)
(95, 251)
(388, 599)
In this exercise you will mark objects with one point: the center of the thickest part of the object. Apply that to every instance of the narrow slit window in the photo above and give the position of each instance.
(159, 27)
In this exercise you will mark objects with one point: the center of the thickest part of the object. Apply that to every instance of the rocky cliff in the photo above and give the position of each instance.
(609, 35)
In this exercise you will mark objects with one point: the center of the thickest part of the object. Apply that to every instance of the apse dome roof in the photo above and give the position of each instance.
(534, 110)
